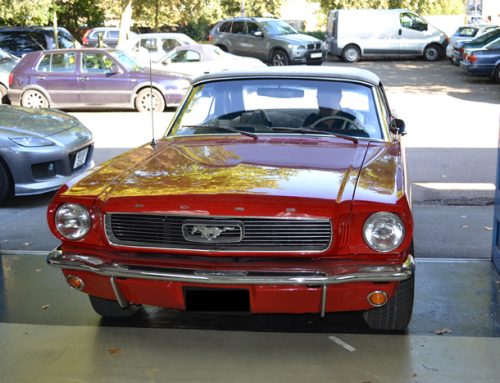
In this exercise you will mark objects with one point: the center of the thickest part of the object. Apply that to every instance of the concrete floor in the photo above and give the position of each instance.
(49, 333)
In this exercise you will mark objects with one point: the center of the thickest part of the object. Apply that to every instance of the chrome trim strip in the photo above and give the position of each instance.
(376, 273)
(122, 302)
(113, 241)
(324, 291)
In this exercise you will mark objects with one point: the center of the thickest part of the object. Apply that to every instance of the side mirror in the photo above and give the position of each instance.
(258, 34)
(166, 61)
(397, 126)
(113, 69)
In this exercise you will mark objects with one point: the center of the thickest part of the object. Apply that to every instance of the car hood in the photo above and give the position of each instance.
(301, 168)
(297, 38)
(34, 122)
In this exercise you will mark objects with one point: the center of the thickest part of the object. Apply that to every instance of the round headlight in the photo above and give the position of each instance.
(383, 231)
(72, 221)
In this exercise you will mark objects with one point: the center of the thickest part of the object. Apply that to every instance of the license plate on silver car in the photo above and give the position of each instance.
(80, 158)
(316, 55)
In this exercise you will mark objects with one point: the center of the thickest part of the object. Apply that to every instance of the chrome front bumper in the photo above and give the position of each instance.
(361, 273)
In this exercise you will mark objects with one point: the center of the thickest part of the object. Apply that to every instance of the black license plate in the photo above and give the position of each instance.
(217, 300)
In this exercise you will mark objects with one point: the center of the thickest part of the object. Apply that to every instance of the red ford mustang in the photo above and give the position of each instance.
(280, 190)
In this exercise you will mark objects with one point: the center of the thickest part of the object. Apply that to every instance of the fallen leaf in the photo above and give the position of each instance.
(113, 350)
(443, 331)
(488, 228)
(45, 307)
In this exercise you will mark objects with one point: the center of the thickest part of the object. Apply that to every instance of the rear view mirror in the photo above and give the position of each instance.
(280, 92)
(397, 126)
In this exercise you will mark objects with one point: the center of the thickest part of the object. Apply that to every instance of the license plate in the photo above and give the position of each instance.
(316, 55)
(80, 158)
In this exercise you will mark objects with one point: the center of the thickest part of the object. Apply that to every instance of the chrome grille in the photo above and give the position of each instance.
(260, 234)
(314, 46)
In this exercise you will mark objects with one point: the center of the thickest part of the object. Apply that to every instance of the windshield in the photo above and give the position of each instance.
(128, 62)
(268, 106)
(277, 28)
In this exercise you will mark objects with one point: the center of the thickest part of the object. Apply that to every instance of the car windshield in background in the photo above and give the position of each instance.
(277, 28)
(267, 106)
(128, 62)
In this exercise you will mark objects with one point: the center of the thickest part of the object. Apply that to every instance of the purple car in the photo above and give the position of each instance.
(92, 78)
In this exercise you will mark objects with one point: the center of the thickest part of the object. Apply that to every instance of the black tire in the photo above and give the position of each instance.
(34, 99)
(351, 54)
(6, 184)
(3, 94)
(223, 48)
(496, 74)
(112, 309)
(433, 52)
(396, 314)
(279, 58)
(143, 100)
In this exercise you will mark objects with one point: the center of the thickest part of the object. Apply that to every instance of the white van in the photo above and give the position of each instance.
(356, 33)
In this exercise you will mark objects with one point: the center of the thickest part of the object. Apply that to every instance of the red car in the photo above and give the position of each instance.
(279, 190)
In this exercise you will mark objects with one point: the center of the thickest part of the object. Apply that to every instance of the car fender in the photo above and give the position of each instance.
(34, 87)
(146, 84)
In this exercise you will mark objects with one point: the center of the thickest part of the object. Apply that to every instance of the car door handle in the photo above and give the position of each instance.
(41, 77)
(400, 31)
(85, 78)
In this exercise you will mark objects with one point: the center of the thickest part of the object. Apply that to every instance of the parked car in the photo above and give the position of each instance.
(356, 33)
(460, 46)
(106, 36)
(7, 63)
(197, 59)
(92, 78)
(483, 62)
(156, 45)
(40, 150)
(22, 40)
(245, 206)
(466, 33)
(273, 41)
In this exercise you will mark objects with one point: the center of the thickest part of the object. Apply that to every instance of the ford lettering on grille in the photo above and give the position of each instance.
(220, 231)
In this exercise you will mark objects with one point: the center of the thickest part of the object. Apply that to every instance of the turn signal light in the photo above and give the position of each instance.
(472, 58)
(377, 298)
(75, 282)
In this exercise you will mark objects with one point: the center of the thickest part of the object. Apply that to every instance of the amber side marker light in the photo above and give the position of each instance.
(377, 298)
(75, 282)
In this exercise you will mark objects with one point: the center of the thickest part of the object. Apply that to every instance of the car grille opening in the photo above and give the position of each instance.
(257, 234)
(43, 170)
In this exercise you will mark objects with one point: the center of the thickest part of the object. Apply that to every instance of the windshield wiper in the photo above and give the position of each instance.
(309, 130)
(225, 128)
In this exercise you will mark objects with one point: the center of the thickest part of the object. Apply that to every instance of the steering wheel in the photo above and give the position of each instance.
(341, 118)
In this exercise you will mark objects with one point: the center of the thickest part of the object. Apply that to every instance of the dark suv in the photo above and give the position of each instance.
(21, 40)
(271, 40)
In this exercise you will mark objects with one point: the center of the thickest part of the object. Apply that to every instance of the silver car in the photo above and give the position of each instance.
(40, 150)
(7, 63)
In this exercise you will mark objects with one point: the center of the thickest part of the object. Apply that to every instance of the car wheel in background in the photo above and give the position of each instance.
(351, 54)
(432, 52)
(148, 99)
(496, 74)
(395, 314)
(3, 94)
(112, 309)
(34, 99)
(279, 58)
(222, 47)
(5, 182)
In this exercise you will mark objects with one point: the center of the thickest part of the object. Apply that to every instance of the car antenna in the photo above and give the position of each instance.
(153, 140)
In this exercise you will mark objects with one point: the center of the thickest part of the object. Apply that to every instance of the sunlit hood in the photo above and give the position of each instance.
(298, 38)
(293, 167)
(16, 121)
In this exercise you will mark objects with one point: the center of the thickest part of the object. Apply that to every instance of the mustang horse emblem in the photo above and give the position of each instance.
(210, 232)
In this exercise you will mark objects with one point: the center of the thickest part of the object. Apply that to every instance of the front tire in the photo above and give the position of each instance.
(496, 74)
(279, 58)
(5, 182)
(395, 315)
(351, 54)
(34, 99)
(148, 99)
(3, 94)
(111, 309)
(432, 52)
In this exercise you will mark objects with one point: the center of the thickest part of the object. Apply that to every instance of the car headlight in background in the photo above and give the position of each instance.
(383, 231)
(297, 50)
(30, 141)
(72, 221)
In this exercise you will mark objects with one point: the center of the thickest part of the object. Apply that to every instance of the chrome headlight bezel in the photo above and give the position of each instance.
(72, 221)
(31, 141)
(384, 232)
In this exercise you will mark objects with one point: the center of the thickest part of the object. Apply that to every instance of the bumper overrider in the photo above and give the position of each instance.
(115, 273)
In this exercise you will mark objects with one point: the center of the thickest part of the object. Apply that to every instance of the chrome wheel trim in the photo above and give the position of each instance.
(351, 54)
(279, 59)
(431, 53)
(147, 100)
(34, 99)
